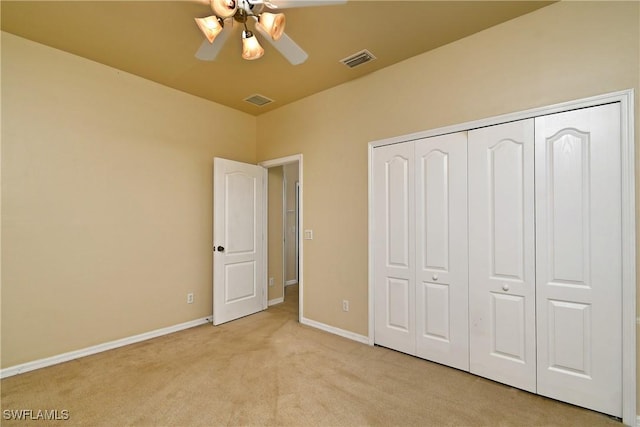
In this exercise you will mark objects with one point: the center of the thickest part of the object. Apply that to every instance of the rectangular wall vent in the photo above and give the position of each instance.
(258, 100)
(357, 59)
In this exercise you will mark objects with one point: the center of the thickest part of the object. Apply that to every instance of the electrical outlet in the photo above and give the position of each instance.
(345, 305)
(270, 281)
(308, 234)
(190, 298)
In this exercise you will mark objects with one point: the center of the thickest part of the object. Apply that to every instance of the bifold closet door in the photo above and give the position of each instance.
(501, 254)
(394, 243)
(442, 310)
(579, 259)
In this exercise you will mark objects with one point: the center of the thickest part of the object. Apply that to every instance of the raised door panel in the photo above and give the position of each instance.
(394, 241)
(240, 236)
(398, 302)
(501, 254)
(578, 245)
(442, 322)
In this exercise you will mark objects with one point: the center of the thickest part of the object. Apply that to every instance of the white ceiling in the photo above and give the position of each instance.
(157, 40)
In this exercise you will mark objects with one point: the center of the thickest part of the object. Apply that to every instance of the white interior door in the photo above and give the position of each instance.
(394, 253)
(239, 278)
(578, 245)
(442, 309)
(501, 254)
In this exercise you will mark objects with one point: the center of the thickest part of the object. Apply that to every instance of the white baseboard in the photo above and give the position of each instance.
(65, 357)
(275, 301)
(336, 331)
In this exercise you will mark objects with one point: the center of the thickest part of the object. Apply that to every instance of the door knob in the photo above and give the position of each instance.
(434, 277)
(505, 287)
(220, 248)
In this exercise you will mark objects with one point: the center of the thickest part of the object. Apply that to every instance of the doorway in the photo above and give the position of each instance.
(283, 224)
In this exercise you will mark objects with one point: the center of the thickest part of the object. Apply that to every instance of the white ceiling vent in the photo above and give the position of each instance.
(259, 100)
(358, 58)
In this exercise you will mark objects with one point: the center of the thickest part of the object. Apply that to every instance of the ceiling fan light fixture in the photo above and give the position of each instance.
(210, 26)
(224, 8)
(251, 49)
(273, 24)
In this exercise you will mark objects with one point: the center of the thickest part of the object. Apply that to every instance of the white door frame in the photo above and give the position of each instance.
(286, 253)
(281, 162)
(626, 100)
(297, 202)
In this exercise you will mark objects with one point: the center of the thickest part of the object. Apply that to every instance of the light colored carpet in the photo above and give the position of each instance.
(267, 369)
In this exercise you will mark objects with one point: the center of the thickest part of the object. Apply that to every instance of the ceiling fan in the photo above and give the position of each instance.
(267, 22)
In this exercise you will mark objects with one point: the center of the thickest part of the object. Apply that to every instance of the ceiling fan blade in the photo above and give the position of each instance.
(286, 46)
(209, 51)
(285, 4)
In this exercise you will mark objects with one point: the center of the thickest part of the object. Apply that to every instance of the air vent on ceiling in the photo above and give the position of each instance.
(259, 100)
(358, 58)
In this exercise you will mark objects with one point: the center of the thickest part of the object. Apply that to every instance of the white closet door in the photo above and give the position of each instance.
(442, 309)
(578, 241)
(501, 254)
(394, 253)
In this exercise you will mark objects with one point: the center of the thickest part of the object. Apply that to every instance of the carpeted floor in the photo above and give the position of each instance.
(267, 369)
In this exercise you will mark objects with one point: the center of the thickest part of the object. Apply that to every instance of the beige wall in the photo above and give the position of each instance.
(0, 203)
(106, 201)
(275, 204)
(566, 51)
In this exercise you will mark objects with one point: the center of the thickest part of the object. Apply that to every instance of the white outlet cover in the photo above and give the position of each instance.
(308, 234)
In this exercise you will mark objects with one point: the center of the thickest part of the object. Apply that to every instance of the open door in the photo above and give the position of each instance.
(239, 277)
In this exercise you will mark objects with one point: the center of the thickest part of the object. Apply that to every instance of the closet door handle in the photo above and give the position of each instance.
(505, 287)
(434, 277)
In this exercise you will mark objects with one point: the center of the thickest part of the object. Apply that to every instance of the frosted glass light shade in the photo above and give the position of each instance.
(224, 8)
(273, 24)
(210, 27)
(251, 49)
